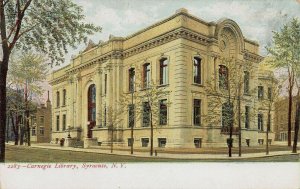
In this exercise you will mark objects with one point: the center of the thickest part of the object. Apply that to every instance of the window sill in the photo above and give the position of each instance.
(198, 84)
(163, 85)
(163, 125)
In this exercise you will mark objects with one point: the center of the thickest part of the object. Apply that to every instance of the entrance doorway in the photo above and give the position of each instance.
(91, 110)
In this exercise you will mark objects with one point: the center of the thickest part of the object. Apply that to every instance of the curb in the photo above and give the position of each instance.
(159, 157)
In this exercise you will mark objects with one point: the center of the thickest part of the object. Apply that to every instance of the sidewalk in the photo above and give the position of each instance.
(164, 154)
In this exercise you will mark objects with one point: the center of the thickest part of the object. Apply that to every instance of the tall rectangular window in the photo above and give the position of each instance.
(57, 123)
(131, 115)
(246, 82)
(197, 70)
(146, 75)
(42, 130)
(260, 92)
(33, 120)
(42, 120)
(146, 114)
(197, 112)
(223, 77)
(64, 97)
(105, 115)
(105, 84)
(33, 131)
(57, 99)
(131, 79)
(163, 63)
(260, 122)
(269, 93)
(247, 117)
(163, 112)
(64, 122)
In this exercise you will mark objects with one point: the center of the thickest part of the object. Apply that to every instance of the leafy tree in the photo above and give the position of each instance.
(285, 53)
(14, 109)
(146, 100)
(47, 26)
(27, 72)
(233, 82)
(269, 104)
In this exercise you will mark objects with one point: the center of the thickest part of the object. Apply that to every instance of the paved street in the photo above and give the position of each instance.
(32, 154)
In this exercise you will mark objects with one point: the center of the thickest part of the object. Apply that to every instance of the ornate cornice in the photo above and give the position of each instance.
(253, 57)
(167, 37)
(59, 80)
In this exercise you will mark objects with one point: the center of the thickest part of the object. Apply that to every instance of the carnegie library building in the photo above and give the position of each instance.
(181, 54)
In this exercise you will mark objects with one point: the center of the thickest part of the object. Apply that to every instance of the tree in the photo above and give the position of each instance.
(14, 109)
(147, 97)
(297, 113)
(46, 26)
(269, 104)
(26, 73)
(285, 52)
(152, 100)
(233, 76)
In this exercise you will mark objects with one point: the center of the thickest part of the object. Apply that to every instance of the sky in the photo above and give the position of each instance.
(256, 18)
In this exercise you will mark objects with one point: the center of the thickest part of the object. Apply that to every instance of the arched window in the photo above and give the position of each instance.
(163, 65)
(227, 114)
(197, 70)
(146, 75)
(91, 108)
(223, 77)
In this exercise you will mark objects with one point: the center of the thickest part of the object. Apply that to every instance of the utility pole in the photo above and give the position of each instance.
(131, 120)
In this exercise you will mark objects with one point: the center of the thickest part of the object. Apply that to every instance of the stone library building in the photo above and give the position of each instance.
(181, 54)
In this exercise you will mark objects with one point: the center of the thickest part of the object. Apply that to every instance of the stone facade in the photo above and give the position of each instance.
(102, 71)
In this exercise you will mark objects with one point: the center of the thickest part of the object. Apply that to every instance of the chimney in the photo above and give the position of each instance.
(48, 102)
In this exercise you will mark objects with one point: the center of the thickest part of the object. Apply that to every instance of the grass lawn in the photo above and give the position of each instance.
(29, 154)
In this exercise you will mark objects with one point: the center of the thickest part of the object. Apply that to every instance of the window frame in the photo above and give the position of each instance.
(197, 108)
(197, 69)
(163, 71)
(131, 79)
(145, 114)
(131, 118)
(146, 75)
(246, 82)
(224, 76)
(57, 123)
(163, 112)
(260, 122)
(57, 99)
(160, 145)
(260, 92)
(64, 123)
(147, 143)
(64, 97)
